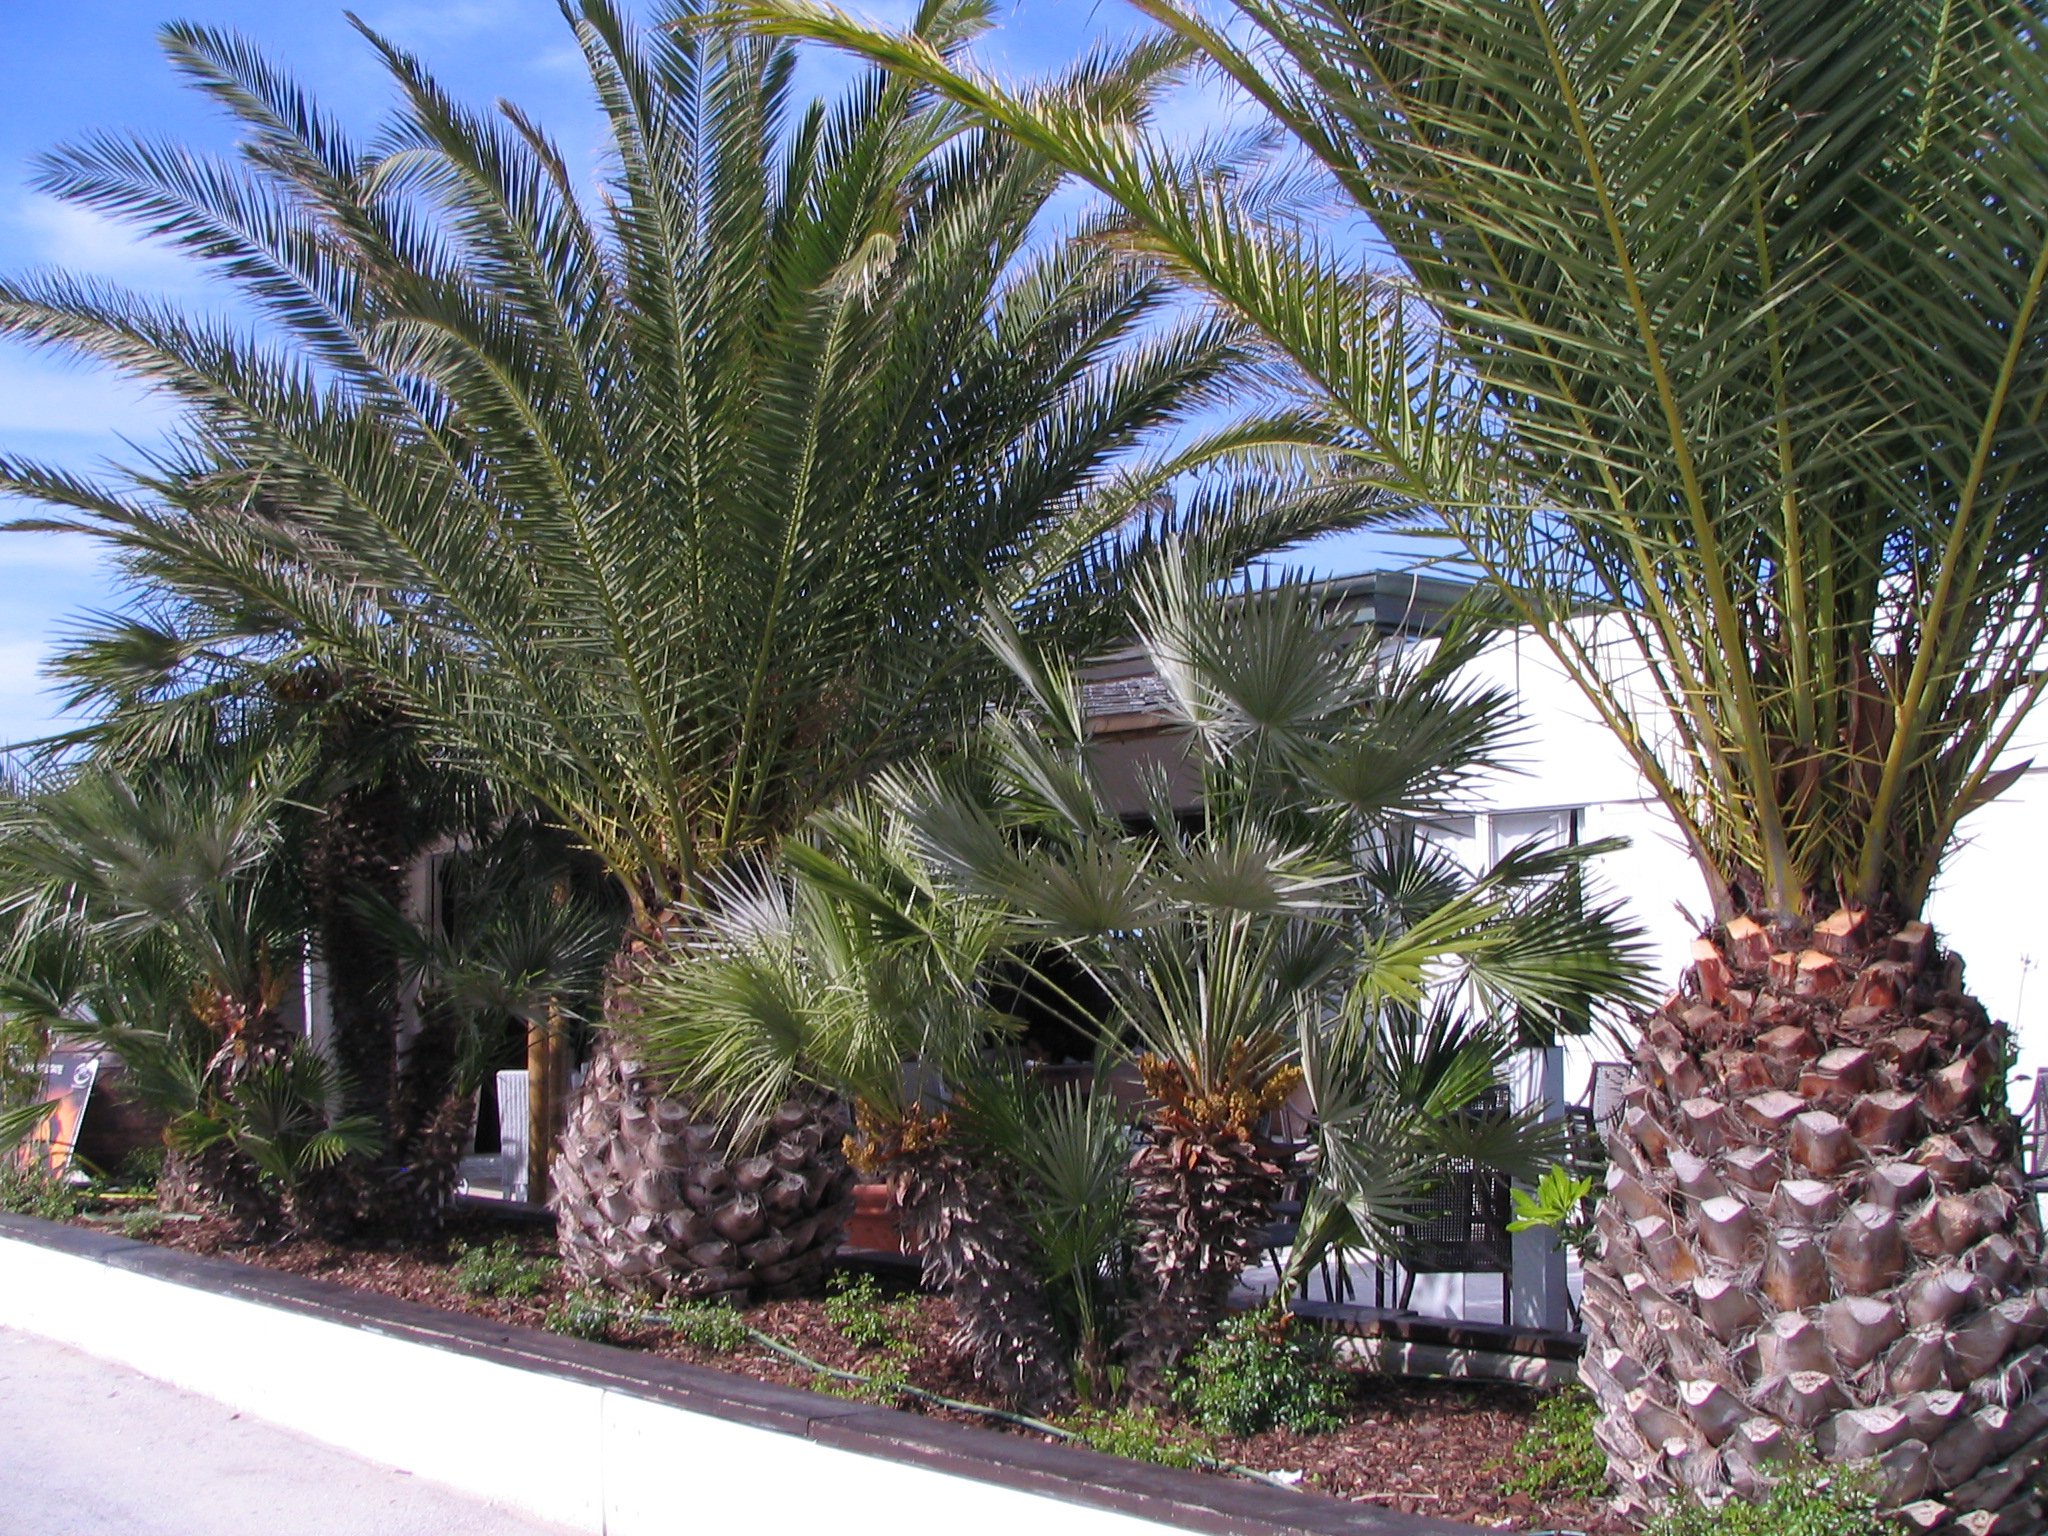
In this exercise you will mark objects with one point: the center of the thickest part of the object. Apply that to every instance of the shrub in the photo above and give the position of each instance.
(582, 1315)
(1259, 1371)
(1557, 1454)
(141, 1170)
(501, 1269)
(142, 1225)
(855, 1306)
(707, 1325)
(1136, 1434)
(32, 1192)
(1809, 1500)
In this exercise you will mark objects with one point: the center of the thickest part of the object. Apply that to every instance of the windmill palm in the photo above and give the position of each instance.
(669, 509)
(1714, 334)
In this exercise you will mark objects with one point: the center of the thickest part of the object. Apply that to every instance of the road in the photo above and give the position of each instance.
(92, 1449)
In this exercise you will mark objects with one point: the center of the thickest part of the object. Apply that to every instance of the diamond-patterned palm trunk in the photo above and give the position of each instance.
(650, 1198)
(1816, 1236)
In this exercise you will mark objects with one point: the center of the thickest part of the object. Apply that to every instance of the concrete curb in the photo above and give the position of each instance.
(630, 1445)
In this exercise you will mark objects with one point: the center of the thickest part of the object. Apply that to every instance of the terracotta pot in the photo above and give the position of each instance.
(873, 1228)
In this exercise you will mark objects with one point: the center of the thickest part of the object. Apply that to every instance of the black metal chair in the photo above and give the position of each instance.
(1458, 1226)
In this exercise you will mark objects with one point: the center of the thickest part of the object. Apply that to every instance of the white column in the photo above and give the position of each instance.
(1536, 1292)
(512, 1115)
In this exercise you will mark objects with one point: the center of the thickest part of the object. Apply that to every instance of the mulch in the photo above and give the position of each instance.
(1426, 1447)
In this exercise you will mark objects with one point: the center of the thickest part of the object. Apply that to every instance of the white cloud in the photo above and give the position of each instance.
(436, 22)
(39, 395)
(80, 241)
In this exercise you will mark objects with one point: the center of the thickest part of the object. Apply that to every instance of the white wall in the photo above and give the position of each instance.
(1984, 903)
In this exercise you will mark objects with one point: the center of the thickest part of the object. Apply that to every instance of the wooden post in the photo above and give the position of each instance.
(540, 1118)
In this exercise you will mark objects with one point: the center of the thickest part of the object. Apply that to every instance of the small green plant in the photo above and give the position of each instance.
(1557, 1455)
(1559, 1204)
(1259, 1371)
(707, 1325)
(143, 1226)
(582, 1315)
(27, 1191)
(1809, 1500)
(1137, 1434)
(501, 1269)
(855, 1306)
(141, 1170)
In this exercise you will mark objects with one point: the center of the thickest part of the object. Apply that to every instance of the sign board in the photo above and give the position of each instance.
(67, 1079)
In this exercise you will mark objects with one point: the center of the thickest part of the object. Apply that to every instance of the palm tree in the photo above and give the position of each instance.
(1714, 335)
(1298, 927)
(157, 919)
(853, 968)
(170, 682)
(1302, 916)
(668, 510)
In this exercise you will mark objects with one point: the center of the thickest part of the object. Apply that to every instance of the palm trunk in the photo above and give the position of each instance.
(1201, 1199)
(648, 1196)
(1816, 1236)
(977, 1255)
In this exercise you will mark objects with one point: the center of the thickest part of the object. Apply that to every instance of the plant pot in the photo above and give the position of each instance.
(874, 1227)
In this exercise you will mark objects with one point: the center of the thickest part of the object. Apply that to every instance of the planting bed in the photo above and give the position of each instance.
(1433, 1448)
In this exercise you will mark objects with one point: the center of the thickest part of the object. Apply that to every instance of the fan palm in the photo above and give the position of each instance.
(667, 510)
(1295, 919)
(1714, 333)
(173, 680)
(852, 969)
(157, 919)
(514, 942)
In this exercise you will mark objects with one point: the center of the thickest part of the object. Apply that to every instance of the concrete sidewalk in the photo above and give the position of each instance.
(92, 1449)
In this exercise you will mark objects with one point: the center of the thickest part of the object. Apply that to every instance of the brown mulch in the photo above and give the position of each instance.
(1436, 1448)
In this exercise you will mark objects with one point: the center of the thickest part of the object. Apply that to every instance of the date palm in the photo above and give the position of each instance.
(666, 505)
(1714, 334)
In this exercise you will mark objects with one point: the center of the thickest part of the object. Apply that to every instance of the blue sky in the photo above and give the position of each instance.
(91, 67)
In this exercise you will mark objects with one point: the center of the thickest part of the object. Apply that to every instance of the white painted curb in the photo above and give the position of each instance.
(579, 1453)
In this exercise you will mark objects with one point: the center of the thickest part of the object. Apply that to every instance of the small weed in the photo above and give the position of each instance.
(1557, 1455)
(582, 1315)
(707, 1325)
(32, 1192)
(143, 1226)
(884, 1388)
(855, 1307)
(1259, 1371)
(1136, 1434)
(501, 1269)
(1810, 1500)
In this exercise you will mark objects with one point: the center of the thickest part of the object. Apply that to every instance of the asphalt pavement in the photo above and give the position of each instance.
(93, 1449)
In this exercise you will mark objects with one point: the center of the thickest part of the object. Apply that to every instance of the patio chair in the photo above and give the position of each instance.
(1459, 1226)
